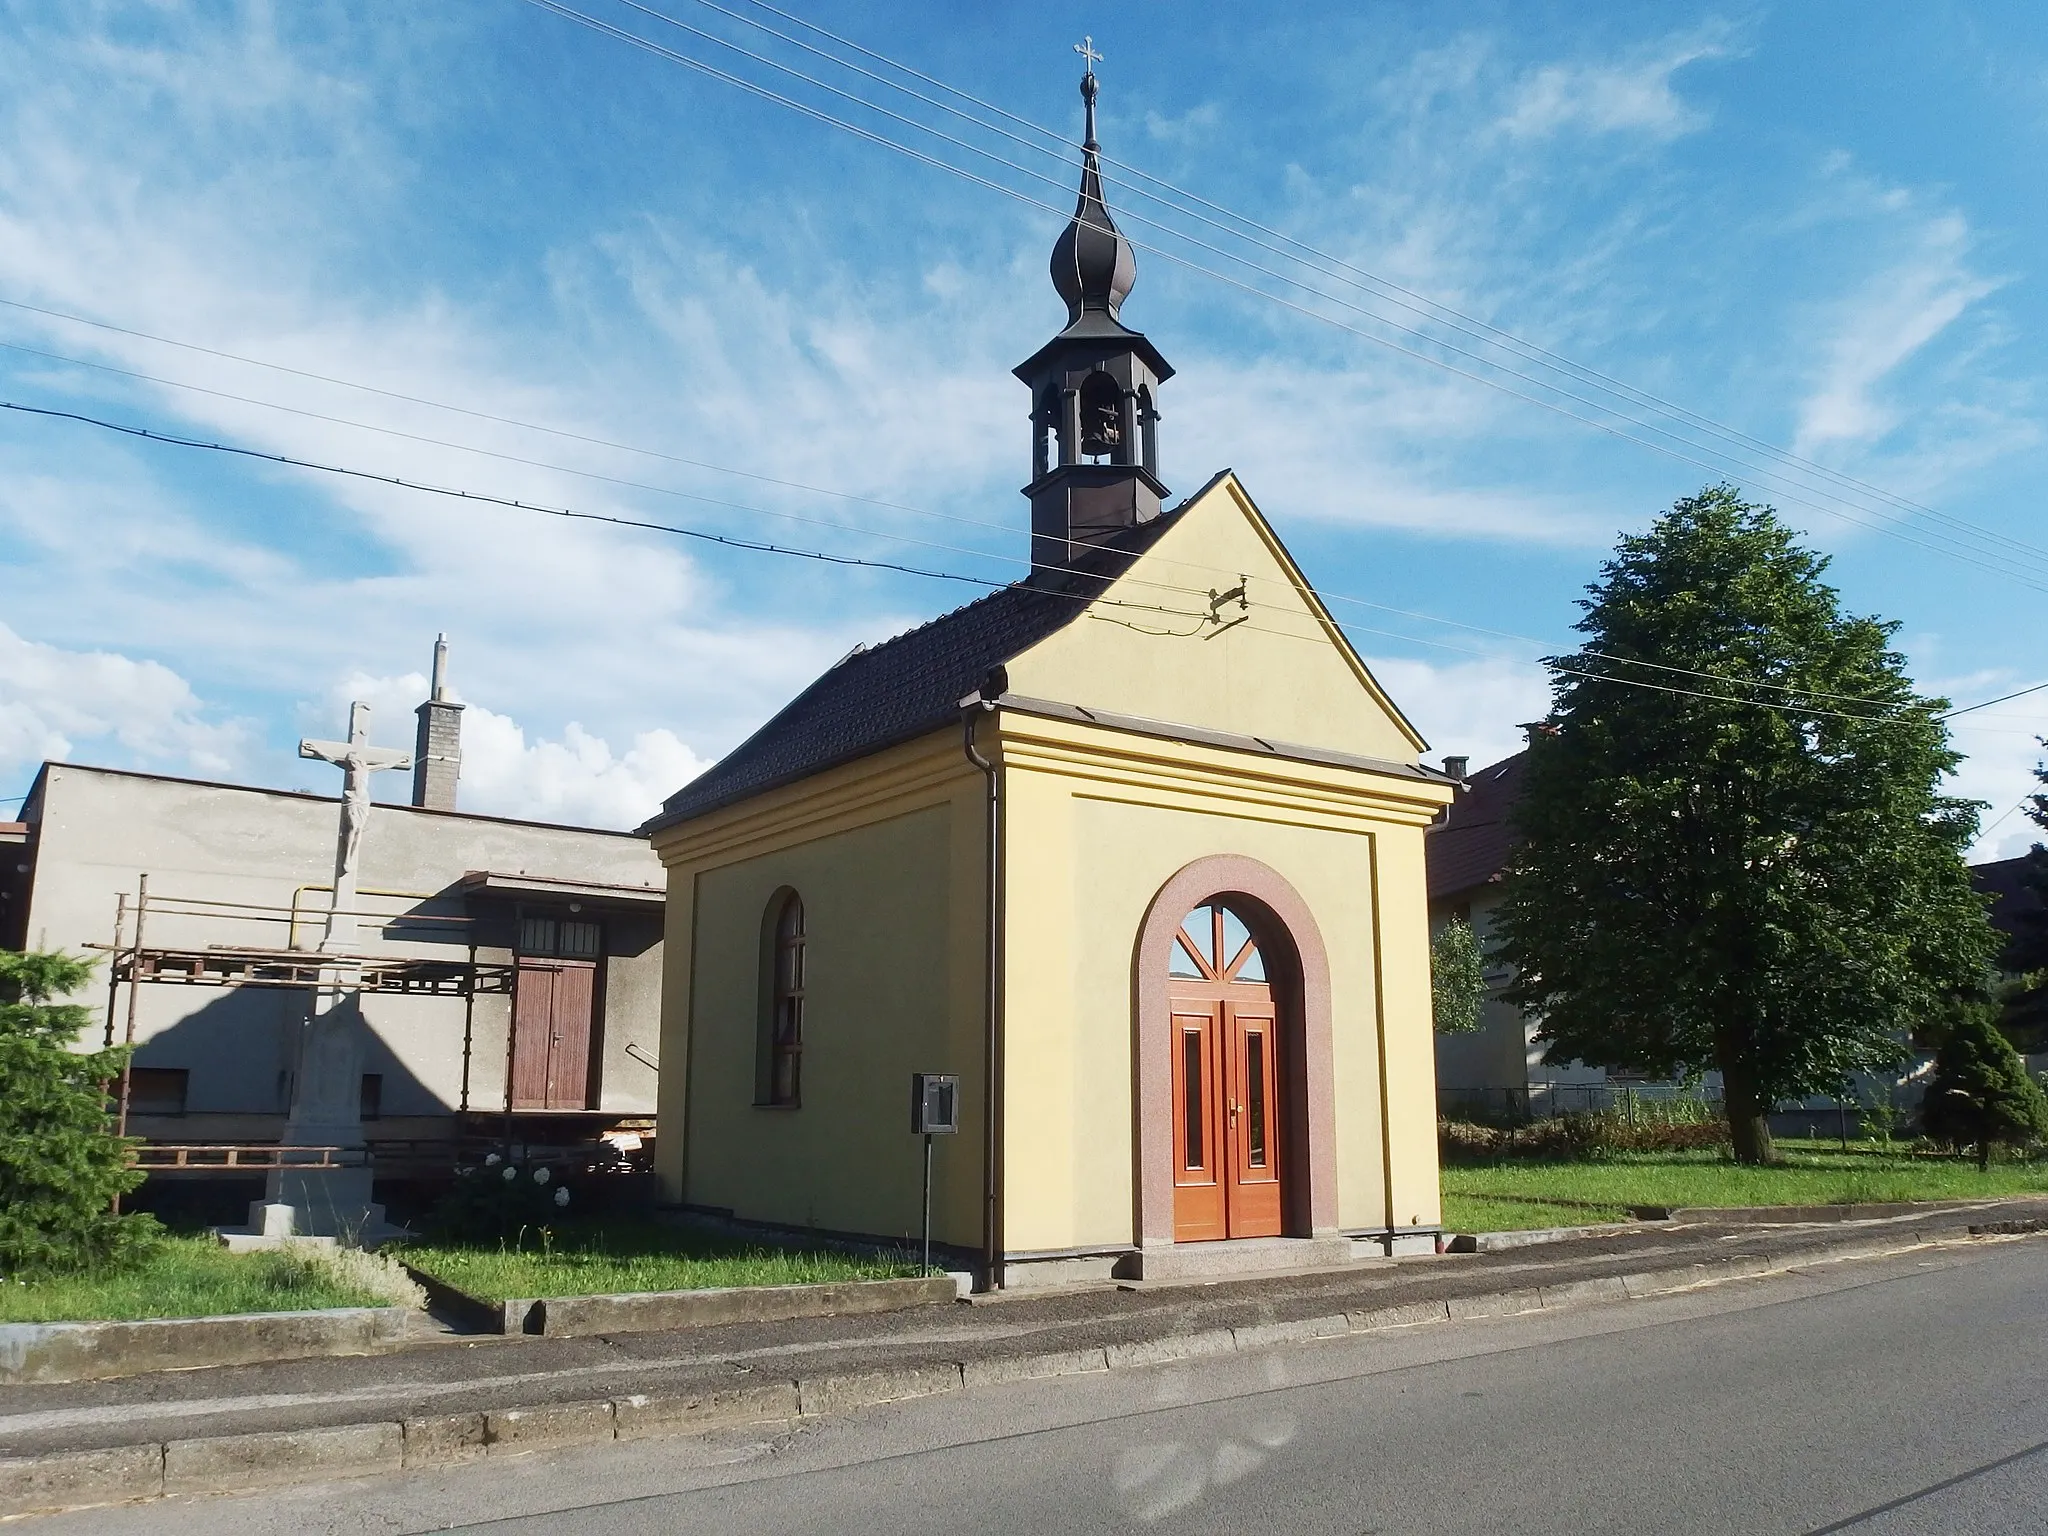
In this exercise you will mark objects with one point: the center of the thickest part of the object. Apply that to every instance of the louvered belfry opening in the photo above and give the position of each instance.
(1094, 387)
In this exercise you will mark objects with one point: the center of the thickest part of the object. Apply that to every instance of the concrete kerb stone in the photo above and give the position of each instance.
(841, 1390)
(1263, 1335)
(1003, 1368)
(438, 1439)
(1408, 1315)
(700, 1412)
(228, 1462)
(1496, 1304)
(44, 1353)
(513, 1430)
(75, 1479)
(1179, 1346)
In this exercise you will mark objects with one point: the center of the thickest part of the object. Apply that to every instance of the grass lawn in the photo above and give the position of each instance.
(602, 1259)
(1509, 1194)
(186, 1277)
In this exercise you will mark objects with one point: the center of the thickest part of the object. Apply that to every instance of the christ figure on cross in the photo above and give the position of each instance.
(357, 760)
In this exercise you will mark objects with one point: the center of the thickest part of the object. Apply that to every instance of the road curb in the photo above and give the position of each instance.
(229, 1463)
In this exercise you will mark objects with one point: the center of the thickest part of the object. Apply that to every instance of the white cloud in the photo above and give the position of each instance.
(55, 701)
(1467, 708)
(1889, 319)
(577, 778)
(1633, 96)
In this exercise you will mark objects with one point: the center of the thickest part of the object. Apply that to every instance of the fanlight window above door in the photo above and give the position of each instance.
(1215, 945)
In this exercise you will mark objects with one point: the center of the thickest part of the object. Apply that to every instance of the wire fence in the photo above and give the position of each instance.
(1649, 1103)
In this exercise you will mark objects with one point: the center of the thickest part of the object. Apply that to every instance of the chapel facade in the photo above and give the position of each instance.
(1132, 847)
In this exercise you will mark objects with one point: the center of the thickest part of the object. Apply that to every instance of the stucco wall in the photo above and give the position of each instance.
(887, 856)
(1284, 674)
(1086, 851)
(98, 831)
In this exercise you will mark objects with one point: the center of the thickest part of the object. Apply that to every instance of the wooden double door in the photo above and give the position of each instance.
(1228, 1138)
(553, 1010)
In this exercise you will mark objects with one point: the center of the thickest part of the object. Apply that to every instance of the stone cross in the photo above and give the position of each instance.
(357, 760)
(1086, 48)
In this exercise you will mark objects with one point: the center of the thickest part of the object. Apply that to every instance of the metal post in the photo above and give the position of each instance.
(134, 987)
(927, 1205)
(468, 1026)
(1842, 1122)
(114, 965)
(511, 1044)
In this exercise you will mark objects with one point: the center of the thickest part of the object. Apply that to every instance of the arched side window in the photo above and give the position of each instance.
(780, 1078)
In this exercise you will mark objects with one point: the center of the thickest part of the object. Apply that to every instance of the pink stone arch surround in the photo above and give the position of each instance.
(1281, 919)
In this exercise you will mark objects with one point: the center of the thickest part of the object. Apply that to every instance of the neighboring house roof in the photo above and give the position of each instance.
(1470, 846)
(2015, 903)
(909, 686)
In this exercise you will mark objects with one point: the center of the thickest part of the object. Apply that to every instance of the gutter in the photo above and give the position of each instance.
(972, 709)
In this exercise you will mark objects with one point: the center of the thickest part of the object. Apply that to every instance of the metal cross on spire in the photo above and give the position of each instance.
(1086, 48)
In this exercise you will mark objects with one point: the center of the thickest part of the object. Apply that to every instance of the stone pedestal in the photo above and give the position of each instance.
(326, 1111)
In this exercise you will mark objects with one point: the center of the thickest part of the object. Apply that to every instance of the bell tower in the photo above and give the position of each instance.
(1094, 386)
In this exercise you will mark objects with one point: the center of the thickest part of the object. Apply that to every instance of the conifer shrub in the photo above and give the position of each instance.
(61, 1165)
(1980, 1094)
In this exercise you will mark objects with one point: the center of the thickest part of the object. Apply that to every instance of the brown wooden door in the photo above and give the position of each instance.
(1227, 1131)
(1198, 1153)
(553, 1002)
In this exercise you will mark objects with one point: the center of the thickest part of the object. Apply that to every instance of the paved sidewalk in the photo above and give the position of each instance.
(824, 1364)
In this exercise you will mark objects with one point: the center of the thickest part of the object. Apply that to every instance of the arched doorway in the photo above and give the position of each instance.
(1297, 982)
(1230, 1151)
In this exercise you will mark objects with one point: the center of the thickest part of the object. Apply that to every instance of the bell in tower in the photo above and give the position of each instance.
(1094, 387)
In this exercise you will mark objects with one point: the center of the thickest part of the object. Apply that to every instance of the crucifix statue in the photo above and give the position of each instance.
(331, 1199)
(357, 760)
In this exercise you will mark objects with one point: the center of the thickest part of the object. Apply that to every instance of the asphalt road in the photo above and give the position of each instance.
(1902, 1396)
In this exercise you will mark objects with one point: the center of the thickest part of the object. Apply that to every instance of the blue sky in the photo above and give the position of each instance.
(1820, 225)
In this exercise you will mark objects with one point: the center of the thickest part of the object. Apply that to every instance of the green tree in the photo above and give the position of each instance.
(1980, 1093)
(61, 1165)
(1457, 978)
(1734, 849)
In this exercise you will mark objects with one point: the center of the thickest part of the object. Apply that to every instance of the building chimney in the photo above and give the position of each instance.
(1456, 766)
(437, 751)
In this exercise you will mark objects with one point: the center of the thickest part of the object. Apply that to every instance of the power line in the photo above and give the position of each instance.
(2001, 699)
(821, 556)
(1334, 266)
(1785, 492)
(1712, 676)
(1385, 288)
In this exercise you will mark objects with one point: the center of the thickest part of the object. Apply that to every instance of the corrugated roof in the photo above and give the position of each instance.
(912, 684)
(1470, 847)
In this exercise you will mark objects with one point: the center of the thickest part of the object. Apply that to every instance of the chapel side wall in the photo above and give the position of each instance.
(892, 979)
(100, 831)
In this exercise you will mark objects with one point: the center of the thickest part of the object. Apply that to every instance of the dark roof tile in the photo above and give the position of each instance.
(1470, 847)
(911, 685)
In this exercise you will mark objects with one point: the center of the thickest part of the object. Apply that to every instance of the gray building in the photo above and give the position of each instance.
(519, 962)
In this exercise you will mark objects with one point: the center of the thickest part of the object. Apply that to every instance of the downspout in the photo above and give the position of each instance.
(992, 1067)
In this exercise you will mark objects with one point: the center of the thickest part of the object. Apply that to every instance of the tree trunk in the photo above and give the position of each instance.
(1748, 1127)
(1984, 1155)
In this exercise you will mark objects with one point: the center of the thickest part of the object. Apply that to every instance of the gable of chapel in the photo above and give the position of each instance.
(1146, 646)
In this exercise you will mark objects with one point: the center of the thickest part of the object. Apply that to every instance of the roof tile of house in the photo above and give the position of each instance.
(911, 685)
(1470, 847)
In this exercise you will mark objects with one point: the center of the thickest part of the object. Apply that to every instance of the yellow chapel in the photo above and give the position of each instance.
(1131, 851)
